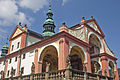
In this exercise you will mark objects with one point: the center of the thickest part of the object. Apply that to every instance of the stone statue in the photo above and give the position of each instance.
(69, 62)
(95, 68)
(2, 74)
(84, 68)
(112, 73)
(47, 67)
(20, 73)
(33, 68)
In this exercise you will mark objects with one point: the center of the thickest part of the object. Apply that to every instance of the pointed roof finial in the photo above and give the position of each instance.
(20, 23)
(49, 4)
(7, 40)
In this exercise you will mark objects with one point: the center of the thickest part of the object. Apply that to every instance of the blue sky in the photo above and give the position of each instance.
(33, 13)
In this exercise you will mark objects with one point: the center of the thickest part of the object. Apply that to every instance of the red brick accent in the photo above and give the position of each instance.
(18, 65)
(23, 40)
(63, 53)
(36, 60)
(116, 72)
(63, 28)
(103, 45)
(9, 46)
(6, 65)
(104, 62)
(39, 67)
(88, 64)
(86, 37)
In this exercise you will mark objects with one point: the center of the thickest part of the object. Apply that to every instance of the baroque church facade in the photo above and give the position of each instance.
(83, 43)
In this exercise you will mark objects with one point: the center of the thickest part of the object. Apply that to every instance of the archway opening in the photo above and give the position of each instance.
(77, 58)
(49, 56)
(95, 44)
(111, 68)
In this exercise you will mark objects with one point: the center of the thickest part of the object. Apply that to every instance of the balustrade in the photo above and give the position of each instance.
(66, 74)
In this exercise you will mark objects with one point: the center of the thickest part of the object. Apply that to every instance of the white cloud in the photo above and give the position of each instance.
(34, 5)
(64, 1)
(9, 13)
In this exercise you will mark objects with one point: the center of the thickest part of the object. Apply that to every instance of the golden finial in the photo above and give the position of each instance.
(49, 4)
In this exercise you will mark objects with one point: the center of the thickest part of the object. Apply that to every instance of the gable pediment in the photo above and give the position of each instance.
(94, 26)
(16, 32)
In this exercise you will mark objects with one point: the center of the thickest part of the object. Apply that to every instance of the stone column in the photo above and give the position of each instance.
(6, 66)
(18, 65)
(36, 60)
(63, 52)
(88, 64)
(116, 72)
(9, 46)
(39, 67)
(104, 62)
(23, 40)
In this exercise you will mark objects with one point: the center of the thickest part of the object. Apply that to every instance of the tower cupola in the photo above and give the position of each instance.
(5, 49)
(49, 23)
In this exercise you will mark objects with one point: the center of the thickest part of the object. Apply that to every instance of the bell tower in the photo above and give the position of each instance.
(49, 23)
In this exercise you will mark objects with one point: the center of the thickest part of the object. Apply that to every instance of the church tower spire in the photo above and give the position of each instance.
(49, 23)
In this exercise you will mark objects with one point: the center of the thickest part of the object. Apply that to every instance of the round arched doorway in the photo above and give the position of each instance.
(77, 58)
(95, 44)
(49, 56)
(111, 69)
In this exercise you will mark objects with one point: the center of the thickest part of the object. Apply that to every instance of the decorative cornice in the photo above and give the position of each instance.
(104, 54)
(47, 41)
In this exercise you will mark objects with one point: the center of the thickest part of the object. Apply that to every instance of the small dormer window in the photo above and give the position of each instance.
(18, 45)
(12, 47)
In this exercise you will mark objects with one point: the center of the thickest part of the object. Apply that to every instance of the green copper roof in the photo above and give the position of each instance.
(49, 11)
(49, 21)
(5, 47)
(48, 34)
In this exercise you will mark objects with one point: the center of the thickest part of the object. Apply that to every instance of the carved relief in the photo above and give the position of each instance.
(94, 26)
(18, 31)
(78, 33)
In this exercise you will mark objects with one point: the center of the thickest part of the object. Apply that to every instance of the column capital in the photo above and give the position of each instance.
(104, 58)
(62, 40)
(40, 62)
(36, 50)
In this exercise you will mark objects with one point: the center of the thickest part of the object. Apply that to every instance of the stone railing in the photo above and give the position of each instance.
(66, 74)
